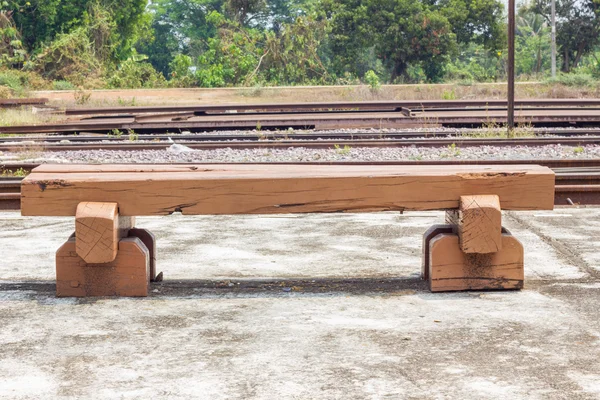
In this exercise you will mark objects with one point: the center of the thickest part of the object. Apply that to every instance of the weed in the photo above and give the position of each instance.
(21, 116)
(20, 173)
(522, 130)
(258, 126)
(573, 80)
(116, 133)
(133, 137)
(342, 150)
(13, 82)
(255, 91)
(5, 92)
(578, 150)
(82, 97)
(62, 85)
(127, 103)
(452, 151)
(372, 80)
(449, 95)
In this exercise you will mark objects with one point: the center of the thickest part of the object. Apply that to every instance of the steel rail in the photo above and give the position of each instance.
(303, 135)
(307, 121)
(253, 143)
(33, 101)
(338, 105)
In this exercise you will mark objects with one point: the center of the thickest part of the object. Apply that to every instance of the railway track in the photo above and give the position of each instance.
(335, 115)
(249, 142)
(577, 181)
(302, 135)
(393, 105)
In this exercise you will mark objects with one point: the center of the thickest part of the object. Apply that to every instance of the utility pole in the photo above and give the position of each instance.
(553, 23)
(510, 120)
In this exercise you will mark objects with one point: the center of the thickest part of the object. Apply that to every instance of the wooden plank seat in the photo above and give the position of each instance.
(471, 252)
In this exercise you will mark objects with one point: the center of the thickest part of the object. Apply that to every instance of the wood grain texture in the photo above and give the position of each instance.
(480, 224)
(126, 276)
(450, 269)
(98, 229)
(269, 189)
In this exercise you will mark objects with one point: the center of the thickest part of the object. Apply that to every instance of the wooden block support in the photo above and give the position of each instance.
(126, 276)
(478, 223)
(98, 229)
(427, 236)
(450, 269)
(149, 241)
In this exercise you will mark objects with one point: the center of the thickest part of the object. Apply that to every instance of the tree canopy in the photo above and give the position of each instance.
(210, 43)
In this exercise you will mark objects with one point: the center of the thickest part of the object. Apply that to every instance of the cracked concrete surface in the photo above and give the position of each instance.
(304, 307)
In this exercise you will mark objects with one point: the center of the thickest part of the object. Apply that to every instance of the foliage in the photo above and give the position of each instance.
(577, 27)
(41, 21)
(5, 92)
(132, 135)
(292, 56)
(11, 81)
(63, 85)
(179, 27)
(231, 56)
(19, 82)
(475, 63)
(257, 43)
(82, 97)
(573, 79)
(12, 53)
(372, 80)
(181, 71)
(136, 73)
(69, 57)
(532, 55)
(403, 32)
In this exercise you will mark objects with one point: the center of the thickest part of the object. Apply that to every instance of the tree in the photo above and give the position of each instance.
(40, 21)
(532, 43)
(178, 27)
(475, 21)
(402, 32)
(577, 27)
(12, 53)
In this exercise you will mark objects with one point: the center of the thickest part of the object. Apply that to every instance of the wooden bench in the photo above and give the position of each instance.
(108, 256)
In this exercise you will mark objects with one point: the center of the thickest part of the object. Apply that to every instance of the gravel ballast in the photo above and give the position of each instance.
(300, 154)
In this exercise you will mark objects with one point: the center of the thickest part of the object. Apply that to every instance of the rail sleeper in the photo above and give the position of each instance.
(107, 256)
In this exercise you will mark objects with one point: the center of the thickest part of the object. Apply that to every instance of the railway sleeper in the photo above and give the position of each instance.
(108, 256)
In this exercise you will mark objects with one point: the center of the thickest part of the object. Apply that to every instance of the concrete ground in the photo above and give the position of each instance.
(304, 307)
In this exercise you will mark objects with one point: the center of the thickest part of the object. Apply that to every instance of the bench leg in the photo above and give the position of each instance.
(427, 236)
(149, 240)
(472, 251)
(127, 275)
(450, 269)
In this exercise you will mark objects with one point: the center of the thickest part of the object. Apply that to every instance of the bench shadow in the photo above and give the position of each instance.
(45, 291)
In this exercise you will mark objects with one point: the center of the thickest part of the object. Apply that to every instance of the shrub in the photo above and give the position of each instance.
(12, 81)
(63, 85)
(135, 73)
(573, 79)
(69, 57)
(372, 80)
(5, 92)
(12, 53)
(21, 81)
(181, 71)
